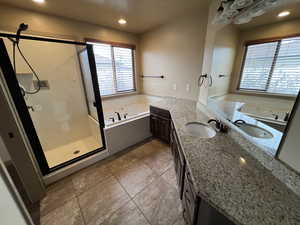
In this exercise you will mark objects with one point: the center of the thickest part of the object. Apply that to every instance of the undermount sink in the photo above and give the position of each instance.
(255, 131)
(202, 130)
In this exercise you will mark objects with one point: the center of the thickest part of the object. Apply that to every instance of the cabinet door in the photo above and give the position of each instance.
(160, 128)
(165, 130)
(190, 200)
(179, 162)
(207, 215)
(154, 125)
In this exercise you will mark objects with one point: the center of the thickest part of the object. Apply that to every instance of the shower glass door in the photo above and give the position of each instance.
(57, 96)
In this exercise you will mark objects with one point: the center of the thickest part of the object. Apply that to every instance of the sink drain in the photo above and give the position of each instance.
(76, 152)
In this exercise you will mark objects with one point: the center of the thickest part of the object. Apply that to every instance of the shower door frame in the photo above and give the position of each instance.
(22, 110)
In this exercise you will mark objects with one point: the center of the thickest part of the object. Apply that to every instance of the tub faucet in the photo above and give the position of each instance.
(286, 117)
(276, 117)
(119, 116)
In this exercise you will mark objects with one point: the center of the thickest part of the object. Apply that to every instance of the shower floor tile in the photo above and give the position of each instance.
(65, 153)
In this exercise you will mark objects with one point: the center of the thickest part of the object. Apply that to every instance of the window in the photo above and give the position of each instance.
(115, 68)
(272, 67)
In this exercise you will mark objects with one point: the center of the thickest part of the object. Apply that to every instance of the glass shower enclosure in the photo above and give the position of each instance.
(54, 86)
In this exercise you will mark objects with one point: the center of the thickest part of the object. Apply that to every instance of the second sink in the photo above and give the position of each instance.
(255, 131)
(198, 129)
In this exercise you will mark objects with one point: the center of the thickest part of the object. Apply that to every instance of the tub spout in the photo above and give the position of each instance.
(119, 116)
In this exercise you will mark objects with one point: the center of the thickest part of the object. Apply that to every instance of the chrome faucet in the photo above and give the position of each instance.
(119, 115)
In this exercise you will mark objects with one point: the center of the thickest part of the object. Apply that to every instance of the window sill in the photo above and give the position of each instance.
(119, 94)
(257, 93)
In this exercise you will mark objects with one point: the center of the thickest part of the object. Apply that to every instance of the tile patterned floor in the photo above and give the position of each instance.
(136, 187)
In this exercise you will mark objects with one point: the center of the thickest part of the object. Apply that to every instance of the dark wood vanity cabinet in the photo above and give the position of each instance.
(160, 122)
(195, 210)
(179, 160)
(190, 200)
(208, 215)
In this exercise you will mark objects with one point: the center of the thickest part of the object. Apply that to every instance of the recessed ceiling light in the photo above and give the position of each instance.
(122, 21)
(283, 14)
(39, 1)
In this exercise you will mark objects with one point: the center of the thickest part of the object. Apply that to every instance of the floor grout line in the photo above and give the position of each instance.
(132, 198)
(81, 212)
(141, 211)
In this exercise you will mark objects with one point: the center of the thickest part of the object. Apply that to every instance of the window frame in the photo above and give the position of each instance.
(245, 50)
(119, 45)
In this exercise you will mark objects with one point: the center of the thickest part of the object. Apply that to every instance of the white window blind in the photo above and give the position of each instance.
(115, 68)
(124, 69)
(104, 65)
(286, 75)
(272, 67)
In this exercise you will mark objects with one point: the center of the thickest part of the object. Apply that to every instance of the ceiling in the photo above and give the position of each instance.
(141, 15)
(271, 16)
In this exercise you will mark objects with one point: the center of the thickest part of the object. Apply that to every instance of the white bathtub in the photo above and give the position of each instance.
(132, 106)
(122, 134)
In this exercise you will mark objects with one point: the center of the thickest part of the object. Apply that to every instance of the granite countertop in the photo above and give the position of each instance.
(230, 178)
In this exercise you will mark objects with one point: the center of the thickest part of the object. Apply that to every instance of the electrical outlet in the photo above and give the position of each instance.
(174, 87)
(188, 87)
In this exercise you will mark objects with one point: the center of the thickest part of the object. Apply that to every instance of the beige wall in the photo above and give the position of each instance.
(52, 26)
(210, 38)
(224, 52)
(290, 27)
(174, 50)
